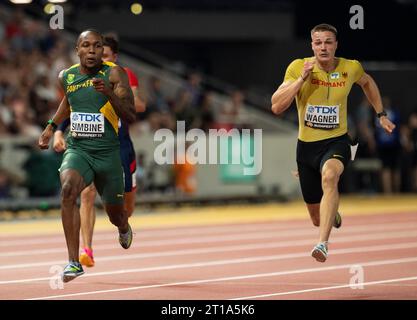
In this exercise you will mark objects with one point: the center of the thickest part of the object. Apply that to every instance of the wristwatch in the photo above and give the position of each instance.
(381, 114)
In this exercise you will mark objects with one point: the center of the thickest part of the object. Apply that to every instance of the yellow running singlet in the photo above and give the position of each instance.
(322, 100)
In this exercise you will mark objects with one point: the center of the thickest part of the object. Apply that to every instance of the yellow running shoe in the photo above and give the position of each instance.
(86, 258)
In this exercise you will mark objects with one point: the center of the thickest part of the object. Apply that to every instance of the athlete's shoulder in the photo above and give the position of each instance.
(297, 63)
(350, 62)
(72, 68)
(109, 64)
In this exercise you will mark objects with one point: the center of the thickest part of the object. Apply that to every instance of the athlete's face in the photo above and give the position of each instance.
(324, 45)
(109, 55)
(90, 49)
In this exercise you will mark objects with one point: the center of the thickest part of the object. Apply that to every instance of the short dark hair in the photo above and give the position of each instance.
(90, 30)
(325, 27)
(111, 42)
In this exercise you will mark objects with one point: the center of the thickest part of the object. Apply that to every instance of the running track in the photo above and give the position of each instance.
(257, 252)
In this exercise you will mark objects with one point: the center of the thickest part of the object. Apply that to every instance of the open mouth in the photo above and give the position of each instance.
(91, 60)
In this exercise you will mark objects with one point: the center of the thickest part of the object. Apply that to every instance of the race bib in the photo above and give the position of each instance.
(87, 125)
(322, 117)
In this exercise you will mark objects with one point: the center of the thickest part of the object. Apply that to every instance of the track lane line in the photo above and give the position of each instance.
(211, 263)
(324, 288)
(252, 236)
(225, 279)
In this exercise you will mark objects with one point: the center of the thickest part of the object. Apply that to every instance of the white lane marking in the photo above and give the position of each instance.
(289, 243)
(323, 288)
(148, 233)
(281, 244)
(203, 264)
(259, 234)
(223, 279)
(203, 230)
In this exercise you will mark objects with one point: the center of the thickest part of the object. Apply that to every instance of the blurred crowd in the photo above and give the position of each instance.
(395, 168)
(31, 57)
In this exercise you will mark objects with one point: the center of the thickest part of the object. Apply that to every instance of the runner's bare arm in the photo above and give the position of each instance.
(371, 91)
(140, 104)
(120, 96)
(285, 94)
(61, 114)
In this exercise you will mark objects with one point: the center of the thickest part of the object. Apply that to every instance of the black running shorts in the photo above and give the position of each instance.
(311, 157)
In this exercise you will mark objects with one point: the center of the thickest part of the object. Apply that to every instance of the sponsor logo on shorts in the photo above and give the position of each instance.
(119, 195)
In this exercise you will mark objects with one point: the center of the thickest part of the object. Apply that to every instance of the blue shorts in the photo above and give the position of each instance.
(128, 156)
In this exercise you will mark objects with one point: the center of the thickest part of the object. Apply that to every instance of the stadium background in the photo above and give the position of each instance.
(214, 64)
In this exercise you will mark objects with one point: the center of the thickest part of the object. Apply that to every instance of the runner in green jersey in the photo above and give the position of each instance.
(97, 94)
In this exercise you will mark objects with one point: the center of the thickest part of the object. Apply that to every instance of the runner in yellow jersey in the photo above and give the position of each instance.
(320, 86)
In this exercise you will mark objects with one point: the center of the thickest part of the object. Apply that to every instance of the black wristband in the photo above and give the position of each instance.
(381, 114)
(52, 123)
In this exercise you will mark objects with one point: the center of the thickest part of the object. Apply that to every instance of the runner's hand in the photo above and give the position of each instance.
(59, 142)
(308, 67)
(45, 137)
(101, 87)
(386, 124)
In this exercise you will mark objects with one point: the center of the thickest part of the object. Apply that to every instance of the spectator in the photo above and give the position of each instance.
(184, 110)
(156, 99)
(184, 174)
(232, 114)
(5, 184)
(194, 89)
(389, 150)
(205, 115)
(409, 134)
(42, 177)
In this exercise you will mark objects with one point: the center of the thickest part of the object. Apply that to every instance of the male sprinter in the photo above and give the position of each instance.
(321, 85)
(127, 153)
(97, 94)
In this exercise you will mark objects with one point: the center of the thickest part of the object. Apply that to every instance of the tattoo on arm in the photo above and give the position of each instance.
(122, 96)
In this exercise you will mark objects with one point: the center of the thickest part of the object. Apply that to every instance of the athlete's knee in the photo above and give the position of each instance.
(117, 216)
(88, 195)
(316, 221)
(69, 192)
(330, 178)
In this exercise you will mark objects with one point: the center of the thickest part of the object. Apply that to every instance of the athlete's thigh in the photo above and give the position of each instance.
(309, 171)
(109, 178)
(310, 182)
(80, 162)
(339, 150)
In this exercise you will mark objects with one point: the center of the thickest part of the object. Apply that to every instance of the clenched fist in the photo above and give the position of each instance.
(308, 67)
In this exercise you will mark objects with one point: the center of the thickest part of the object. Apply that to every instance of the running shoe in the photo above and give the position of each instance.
(86, 258)
(337, 223)
(71, 271)
(125, 239)
(320, 252)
